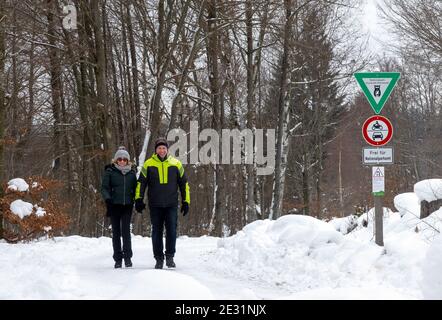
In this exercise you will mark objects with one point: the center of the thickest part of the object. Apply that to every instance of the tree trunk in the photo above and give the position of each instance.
(84, 87)
(56, 84)
(305, 188)
(283, 108)
(251, 113)
(2, 104)
(212, 49)
(128, 109)
(102, 106)
(120, 126)
(31, 83)
(341, 190)
(136, 95)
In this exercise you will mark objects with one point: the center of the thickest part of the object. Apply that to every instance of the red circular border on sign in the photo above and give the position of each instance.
(371, 141)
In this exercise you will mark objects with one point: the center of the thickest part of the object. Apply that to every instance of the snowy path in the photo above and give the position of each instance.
(82, 268)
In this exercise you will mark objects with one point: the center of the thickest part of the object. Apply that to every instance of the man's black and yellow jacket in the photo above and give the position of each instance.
(162, 179)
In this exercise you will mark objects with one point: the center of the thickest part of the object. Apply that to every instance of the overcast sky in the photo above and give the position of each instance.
(379, 33)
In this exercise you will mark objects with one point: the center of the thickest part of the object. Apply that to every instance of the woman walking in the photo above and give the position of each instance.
(118, 190)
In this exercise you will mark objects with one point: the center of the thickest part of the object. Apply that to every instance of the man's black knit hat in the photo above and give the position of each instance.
(161, 142)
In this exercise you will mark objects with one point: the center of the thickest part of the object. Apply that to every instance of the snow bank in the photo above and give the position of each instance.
(432, 275)
(344, 225)
(431, 226)
(368, 218)
(18, 184)
(302, 230)
(409, 208)
(295, 253)
(21, 208)
(429, 190)
(408, 203)
(310, 259)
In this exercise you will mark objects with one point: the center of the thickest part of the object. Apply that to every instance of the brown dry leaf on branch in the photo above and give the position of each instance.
(41, 194)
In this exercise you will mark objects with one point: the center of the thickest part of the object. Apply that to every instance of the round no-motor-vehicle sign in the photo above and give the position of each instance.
(377, 130)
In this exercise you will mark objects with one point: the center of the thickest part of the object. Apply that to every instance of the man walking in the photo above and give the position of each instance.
(163, 175)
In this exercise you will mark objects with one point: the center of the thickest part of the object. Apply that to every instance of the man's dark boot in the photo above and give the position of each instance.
(127, 262)
(159, 264)
(170, 263)
(118, 264)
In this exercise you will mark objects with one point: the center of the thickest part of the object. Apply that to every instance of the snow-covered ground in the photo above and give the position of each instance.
(294, 257)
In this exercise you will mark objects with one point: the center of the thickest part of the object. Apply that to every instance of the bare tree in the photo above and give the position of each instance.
(283, 113)
(416, 23)
(56, 83)
(166, 42)
(2, 102)
(212, 49)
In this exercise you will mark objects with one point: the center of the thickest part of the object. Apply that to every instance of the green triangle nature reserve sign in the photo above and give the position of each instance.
(377, 87)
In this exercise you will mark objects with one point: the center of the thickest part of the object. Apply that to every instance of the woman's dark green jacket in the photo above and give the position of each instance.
(118, 187)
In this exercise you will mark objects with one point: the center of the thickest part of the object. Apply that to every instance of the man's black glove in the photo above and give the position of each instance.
(109, 207)
(185, 208)
(139, 205)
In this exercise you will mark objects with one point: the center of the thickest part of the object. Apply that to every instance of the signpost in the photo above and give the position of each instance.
(377, 87)
(378, 178)
(377, 131)
(377, 156)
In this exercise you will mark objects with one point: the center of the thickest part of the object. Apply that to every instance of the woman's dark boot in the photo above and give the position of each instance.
(159, 264)
(118, 264)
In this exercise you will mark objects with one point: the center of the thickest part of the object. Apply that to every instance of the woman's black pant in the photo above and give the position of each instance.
(120, 218)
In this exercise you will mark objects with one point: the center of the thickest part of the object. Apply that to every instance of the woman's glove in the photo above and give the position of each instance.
(139, 205)
(109, 207)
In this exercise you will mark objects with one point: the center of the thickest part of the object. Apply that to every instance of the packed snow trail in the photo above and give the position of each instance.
(294, 257)
(81, 268)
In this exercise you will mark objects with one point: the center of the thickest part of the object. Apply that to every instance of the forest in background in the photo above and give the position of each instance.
(118, 71)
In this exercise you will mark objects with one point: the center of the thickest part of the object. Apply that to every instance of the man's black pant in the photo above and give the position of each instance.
(160, 217)
(120, 219)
